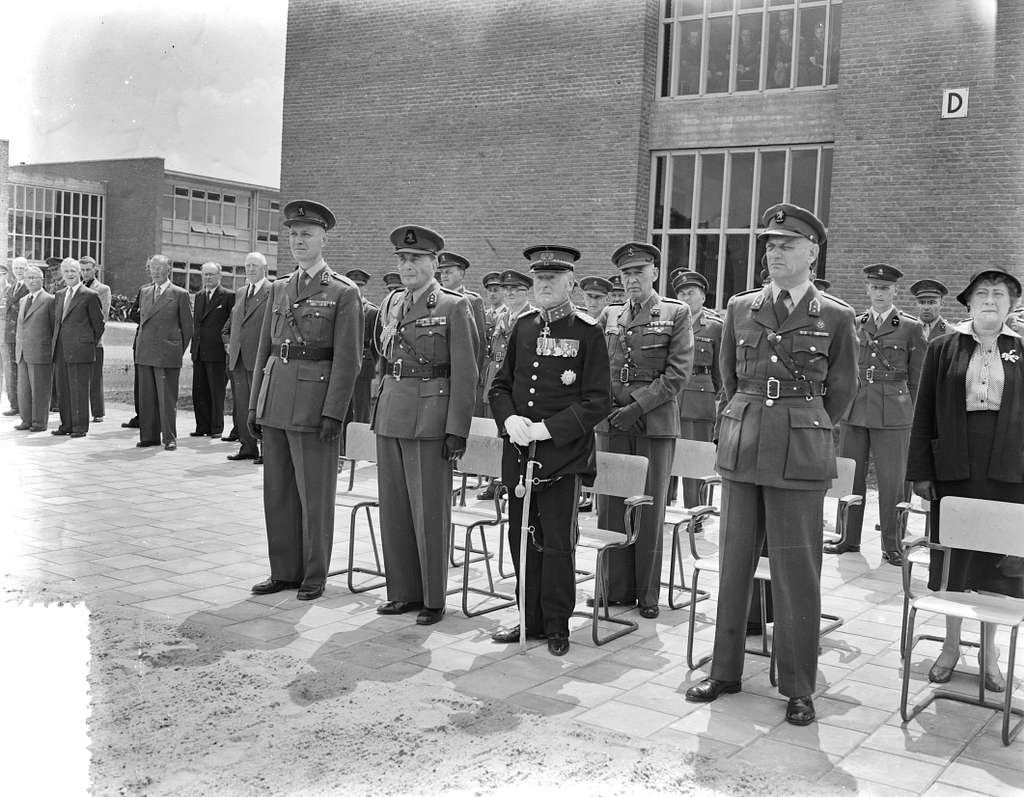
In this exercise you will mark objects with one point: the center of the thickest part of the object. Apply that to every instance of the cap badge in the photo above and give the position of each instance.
(410, 237)
(547, 257)
(629, 251)
(881, 272)
(780, 216)
(300, 210)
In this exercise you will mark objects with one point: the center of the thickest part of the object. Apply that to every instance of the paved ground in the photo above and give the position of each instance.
(162, 548)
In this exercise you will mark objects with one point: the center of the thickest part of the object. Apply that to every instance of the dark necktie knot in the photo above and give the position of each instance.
(782, 303)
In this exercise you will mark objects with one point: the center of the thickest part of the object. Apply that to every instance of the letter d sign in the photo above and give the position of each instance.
(954, 103)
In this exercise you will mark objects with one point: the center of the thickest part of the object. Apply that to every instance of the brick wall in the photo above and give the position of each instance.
(500, 124)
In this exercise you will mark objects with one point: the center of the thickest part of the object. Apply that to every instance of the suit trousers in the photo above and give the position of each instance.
(158, 404)
(791, 523)
(34, 392)
(414, 482)
(635, 573)
(703, 431)
(359, 406)
(208, 387)
(300, 483)
(72, 381)
(241, 387)
(96, 386)
(10, 373)
(550, 551)
(890, 450)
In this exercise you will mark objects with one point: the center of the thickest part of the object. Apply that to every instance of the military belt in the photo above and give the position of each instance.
(873, 374)
(701, 369)
(399, 369)
(782, 388)
(629, 373)
(295, 351)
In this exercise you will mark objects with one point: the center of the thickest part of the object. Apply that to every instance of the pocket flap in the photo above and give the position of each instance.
(808, 418)
(749, 338)
(734, 411)
(435, 387)
(312, 372)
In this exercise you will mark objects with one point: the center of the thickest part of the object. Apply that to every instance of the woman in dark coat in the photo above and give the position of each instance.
(968, 440)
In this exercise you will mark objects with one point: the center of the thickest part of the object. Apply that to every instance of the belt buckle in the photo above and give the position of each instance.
(396, 369)
(285, 347)
(624, 375)
(870, 375)
(772, 388)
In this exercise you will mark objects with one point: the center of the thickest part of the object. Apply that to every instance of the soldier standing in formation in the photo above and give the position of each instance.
(595, 292)
(617, 294)
(452, 274)
(359, 409)
(892, 347)
(789, 372)
(650, 351)
(928, 295)
(495, 296)
(309, 357)
(426, 338)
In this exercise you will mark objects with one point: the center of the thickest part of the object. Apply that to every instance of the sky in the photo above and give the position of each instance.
(197, 82)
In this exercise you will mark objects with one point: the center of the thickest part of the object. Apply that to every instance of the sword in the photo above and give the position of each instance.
(525, 491)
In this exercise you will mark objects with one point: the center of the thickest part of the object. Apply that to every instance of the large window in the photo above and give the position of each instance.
(189, 276)
(719, 46)
(268, 222)
(706, 207)
(194, 216)
(51, 223)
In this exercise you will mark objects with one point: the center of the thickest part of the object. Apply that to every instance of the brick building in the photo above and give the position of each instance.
(676, 121)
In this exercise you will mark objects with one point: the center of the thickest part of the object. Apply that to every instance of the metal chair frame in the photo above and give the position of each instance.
(360, 446)
(693, 459)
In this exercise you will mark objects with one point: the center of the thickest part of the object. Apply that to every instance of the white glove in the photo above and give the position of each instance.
(518, 429)
(539, 431)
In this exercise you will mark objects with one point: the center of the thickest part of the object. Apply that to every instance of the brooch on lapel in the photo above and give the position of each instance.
(1010, 356)
(568, 377)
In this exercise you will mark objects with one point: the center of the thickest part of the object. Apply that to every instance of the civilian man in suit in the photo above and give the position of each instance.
(34, 353)
(78, 325)
(789, 372)
(209, 360)
(11, 298)
(165, 331)
(133, 316)
(359, 409)
(309, 356)
(90, 280)
(243, 343)
(928, 294)
(427, 340)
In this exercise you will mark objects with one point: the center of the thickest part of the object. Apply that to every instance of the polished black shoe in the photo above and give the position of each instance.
(147, 443)
(894, 558)
(399, 607)
(429, 616)
(649, 612)
(558, 644)
(272, 585)
(23, 427)
(257, 460)
(709, 689)
(590, 603)
(37, 429)
(240, 456)
(198, 434)
(77, 434)
(98, 419)
(586, 506)
(800, 711)
(170, 446)
(832, 547)
(487, 494)
(511, 635)
(231, 438)
(310, 593)
(132, 424)
(60, 432)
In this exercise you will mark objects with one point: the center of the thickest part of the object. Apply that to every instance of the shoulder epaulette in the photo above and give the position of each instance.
(836, 300)
(329, 273)
(451, 292)
(528, 311)
(668, 300)
(910, 317)
(586, 317)
(474, 294)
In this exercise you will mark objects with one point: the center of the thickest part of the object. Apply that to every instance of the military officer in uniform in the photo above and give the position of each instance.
(392, 281)
(425, 334)
(309, 358)
(495, 295)
(617, 294)
(595, 292)
(928, 295)
(650, 352)
(452, 269)
(552, 389)
(892, 347)
(789, 372)
(359, 409)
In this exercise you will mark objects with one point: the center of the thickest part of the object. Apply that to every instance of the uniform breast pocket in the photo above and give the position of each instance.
(656, 338)
(747, 343)
(729, 435)
(277, 323)
(811, 454)
(316, 323)
(703, 353)
(432, 343)
(808, 350)
(896, 354)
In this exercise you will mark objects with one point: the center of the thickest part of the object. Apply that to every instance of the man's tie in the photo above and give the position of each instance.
(28, 305)
(67, 304)
(252, 292)
(159, 291)
(782, 303)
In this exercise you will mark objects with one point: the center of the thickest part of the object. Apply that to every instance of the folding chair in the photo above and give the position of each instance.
(478, 427)
(360, 446)
(693, 459)
(618, 476)
(976, 525)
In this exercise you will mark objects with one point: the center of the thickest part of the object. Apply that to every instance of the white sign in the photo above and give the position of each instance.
(954, 103)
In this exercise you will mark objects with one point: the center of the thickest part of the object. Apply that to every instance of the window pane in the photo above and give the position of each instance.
(710, 208)
(659, 192)
(825, 187)
(751, 4)
(812, 47)
(707, 259)
(681, 216)
(719, 50)
(666, 60)
(198, 210)
(719, 5)
(180, 208)
(263, 220)
(197, 194)
(687, 7)
(242, 218)
(168, 207)
(803, 177)
(678, 254)
(668, 9)
(741, 189)
(748, 54)
(833, 45)
(229, 198)
(689, 58)
(780, 49)
(214, 197)
(773, 175)
(734, 275)
(179, 191)
(212, 213)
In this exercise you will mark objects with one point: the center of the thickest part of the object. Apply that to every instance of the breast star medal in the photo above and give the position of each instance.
(568, 377)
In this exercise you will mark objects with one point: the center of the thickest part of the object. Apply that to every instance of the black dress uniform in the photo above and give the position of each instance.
(556, 371)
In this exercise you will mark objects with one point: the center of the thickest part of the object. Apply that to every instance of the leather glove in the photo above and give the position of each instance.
(254, 428)
(330, 429)
(625, 418)
(518, 429)
(453, 448)
(926, 490)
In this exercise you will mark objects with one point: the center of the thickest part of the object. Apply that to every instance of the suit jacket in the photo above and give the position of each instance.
(77, 332)
(292, 393)
(209, 318)
(700, 394)
(785, 442)
(103, 291)
(12, 297)
(244, 327)
(165, 327)
(35, 330)
(656, 343)
(437, 331)
(938, 438)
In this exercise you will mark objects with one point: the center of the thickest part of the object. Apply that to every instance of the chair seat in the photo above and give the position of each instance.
(994, 609)
(353, 497)
(920, 556)
(762, 571)
(596, 538)
(467, 516)
(675, 515)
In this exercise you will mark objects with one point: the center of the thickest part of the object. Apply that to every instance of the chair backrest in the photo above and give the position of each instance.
(842, 484)
(694, 459)
(620, 475)
(978, 525)
(360, 443)
(483, 455)
(483, 427)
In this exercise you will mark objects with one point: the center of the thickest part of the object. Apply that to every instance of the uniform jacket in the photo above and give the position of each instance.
(35, 330)
(938, 438)
(476, 305)
(563, 383)
(939, 328)
(438, 330)
(700, 394)
(244, 327)
(210, 317)
(165, 327)
(103, 291)
(897, 347)
(289, 393)
(785, 442)
(658, 341)
(369, 368)
(77, 332)
(12, 297)
(497, 345)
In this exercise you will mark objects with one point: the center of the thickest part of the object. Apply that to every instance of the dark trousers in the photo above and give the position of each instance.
(96, 386)
(300, 482)
(635, 573)
(135, 388)
(241, 387)
(34, 381)
(158, 402)
(551, 570)
(791, 523)
(208, 386)
(890, 450)
(10, 373)
(72, 380)
(414, 482)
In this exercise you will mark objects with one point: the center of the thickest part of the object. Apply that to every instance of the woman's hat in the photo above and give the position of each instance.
(992, 273)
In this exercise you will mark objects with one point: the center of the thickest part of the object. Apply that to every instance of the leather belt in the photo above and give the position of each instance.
(294, 351)
(773, 388)
(701, 369)
(629, 373)
(399, 369)
(874, 374)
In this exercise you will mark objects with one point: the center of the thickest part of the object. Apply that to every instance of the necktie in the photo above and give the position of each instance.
(782, 303)
(28, 303)
(305, 280)
(252, 292)
(159, 291)
(209, 296)
(67, 303)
